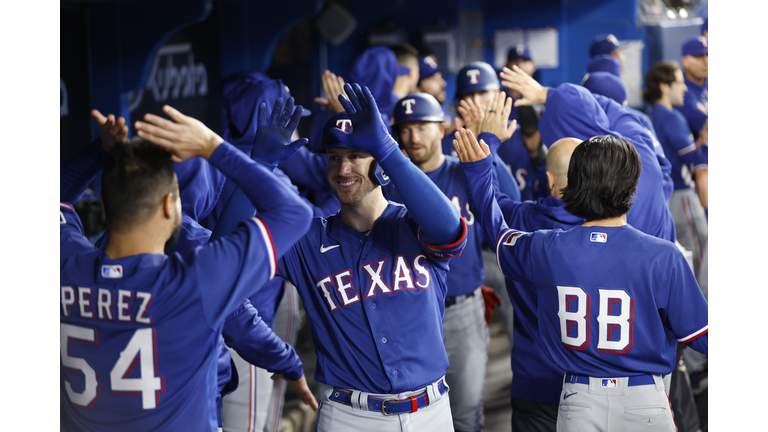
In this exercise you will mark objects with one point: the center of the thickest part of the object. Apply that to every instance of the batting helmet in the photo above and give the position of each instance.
(343, 122)
(418, 107)
(476, 76)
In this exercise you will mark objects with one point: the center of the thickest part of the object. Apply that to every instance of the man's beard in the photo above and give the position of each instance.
(365, 187)
(171, 242)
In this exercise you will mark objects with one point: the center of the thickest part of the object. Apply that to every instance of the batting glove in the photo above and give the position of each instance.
(491, 300)
(369, 133)
(273, 139)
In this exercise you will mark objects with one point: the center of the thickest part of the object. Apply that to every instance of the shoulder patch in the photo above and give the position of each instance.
(512, 239)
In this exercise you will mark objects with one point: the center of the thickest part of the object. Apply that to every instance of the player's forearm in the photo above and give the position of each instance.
(700, 344)
(79, 171)
(281, 209)
(439, 221)
(256, 343)
(487, 209)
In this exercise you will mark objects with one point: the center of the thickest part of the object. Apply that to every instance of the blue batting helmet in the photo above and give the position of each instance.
(476, 76)
(343, 122)
(418, 107)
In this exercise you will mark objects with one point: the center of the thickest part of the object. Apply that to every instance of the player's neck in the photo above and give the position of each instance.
(665, 103)
(607, 222)
(135, 242)
(362, 215)
(433, 163)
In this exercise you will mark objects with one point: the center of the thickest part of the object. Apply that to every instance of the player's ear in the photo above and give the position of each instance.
(442, 130)
(169, 206)
(551, 182)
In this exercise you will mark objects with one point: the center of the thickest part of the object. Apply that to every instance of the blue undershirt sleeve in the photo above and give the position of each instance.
(439, 221)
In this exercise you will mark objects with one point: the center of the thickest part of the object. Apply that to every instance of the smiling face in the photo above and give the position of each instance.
(348, 174)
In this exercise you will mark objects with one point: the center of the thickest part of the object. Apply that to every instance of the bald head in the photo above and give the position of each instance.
(558, 158)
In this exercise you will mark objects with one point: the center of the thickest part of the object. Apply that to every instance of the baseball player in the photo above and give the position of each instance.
(695, 107)
(419, 129)
(572, 111)
(372, 281)
(125, 364)
(665, 89)
(476, 86)
(612, 302)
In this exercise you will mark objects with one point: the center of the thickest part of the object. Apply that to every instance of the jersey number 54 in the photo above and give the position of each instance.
(139, 350)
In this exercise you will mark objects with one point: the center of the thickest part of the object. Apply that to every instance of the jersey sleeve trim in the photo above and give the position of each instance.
(685, 150)
(67, 206)
(515, 234)
(449, 250)
(700, 167)
(269, 243)
(695, 335)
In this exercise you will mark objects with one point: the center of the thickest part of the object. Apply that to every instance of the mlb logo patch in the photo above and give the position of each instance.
(598, 237)
(609, 383)
(112, 271)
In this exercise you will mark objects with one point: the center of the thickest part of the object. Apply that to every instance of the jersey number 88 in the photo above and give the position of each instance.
(616, 313)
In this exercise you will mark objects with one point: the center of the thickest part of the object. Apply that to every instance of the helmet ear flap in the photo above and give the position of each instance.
(376, 174)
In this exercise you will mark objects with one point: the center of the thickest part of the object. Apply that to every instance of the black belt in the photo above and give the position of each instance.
(633, 380)
(450, 301)
(388, 407)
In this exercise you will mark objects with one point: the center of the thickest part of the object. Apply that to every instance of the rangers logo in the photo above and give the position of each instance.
(112, 271)
(520, 49)
(473, 74)
(598, 237)
(344, 124)
(428, 60)
(611, 38)
(609, 383)
(408, 104)
(703, 41)
(62, 220)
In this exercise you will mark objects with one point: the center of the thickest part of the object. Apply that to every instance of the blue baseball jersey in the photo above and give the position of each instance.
(695, 107)
(128, 327)
(664, 164)
(140, 334)
(678, 144)
(375, 301)
(531, 180)
(612, 301)
(466, 269)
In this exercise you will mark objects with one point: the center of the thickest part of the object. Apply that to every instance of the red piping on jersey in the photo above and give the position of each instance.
(67, 206)
(272, 252)
(454, 244)
(696, 335)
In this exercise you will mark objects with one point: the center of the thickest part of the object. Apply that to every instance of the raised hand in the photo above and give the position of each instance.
(333, 86)
(496, 118)
(301, 388)
(273, 139)
(111, 131)
(472, 114)
(184, 137)
(467, 147)
(369, 133)
(519, 81)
